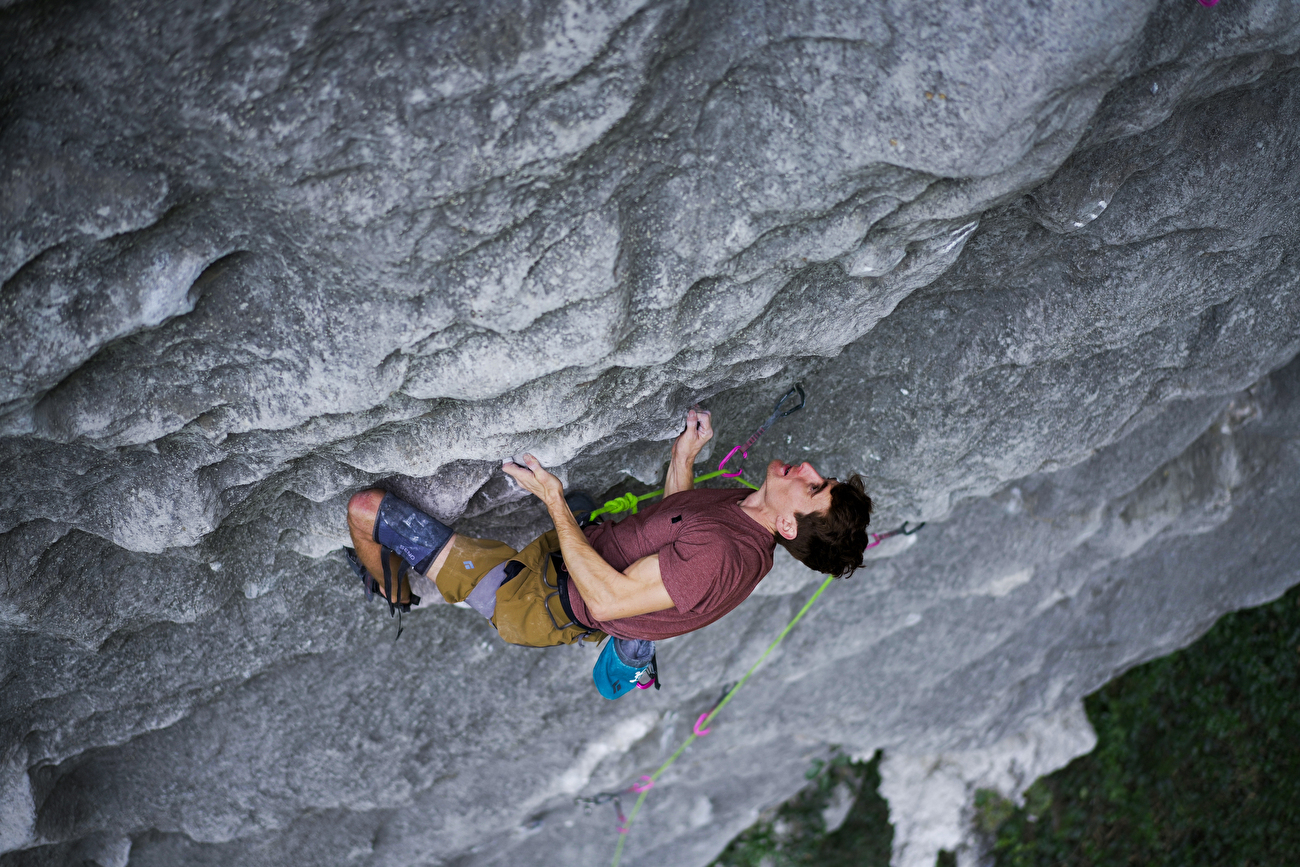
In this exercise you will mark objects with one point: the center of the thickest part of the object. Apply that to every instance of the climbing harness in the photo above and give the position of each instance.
(762, 429)
(560, 590)
(629, 502)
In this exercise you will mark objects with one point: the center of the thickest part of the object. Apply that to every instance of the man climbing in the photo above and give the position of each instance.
(674, 567)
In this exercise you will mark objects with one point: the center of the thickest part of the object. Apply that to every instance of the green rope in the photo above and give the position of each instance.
(618, 852)
(629, 502)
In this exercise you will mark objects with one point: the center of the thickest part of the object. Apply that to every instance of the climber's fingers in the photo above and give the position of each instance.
(699, 430)
(704, 429)
(534, 479)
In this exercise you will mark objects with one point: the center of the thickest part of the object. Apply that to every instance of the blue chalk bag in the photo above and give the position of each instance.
(625, 663)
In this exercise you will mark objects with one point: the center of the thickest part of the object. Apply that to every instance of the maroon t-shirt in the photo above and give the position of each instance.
(711, 556)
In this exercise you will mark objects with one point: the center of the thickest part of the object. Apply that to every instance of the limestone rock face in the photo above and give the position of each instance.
(1034, 263)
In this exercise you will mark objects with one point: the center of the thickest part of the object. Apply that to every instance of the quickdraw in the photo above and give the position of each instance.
(762, 429)
(616, 798)
(699, 729)
(877, 538)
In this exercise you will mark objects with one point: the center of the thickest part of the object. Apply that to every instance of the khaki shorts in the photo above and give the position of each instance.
(528, 609)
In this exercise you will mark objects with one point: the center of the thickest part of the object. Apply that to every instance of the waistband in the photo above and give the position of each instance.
(562, 584)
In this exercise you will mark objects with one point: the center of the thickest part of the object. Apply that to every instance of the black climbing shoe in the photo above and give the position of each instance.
(360, 571)
(372, 588)
(581, 505)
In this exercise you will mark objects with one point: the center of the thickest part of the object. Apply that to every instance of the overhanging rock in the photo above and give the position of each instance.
(1036, 266)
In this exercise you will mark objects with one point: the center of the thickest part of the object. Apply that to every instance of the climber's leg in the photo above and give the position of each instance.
(469, 561)
(511, 589)
(363, 511)
(508, 587)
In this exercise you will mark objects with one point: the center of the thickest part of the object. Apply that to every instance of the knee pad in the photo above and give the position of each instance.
(409, 533)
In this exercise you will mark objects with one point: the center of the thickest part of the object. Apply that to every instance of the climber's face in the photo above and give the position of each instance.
(795, 489)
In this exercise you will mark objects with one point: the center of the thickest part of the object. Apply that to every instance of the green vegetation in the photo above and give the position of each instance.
(991, 810)
(795, 833)
(1197, 761)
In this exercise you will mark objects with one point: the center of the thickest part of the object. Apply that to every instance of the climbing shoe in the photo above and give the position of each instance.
(360, 571)
(581, 505)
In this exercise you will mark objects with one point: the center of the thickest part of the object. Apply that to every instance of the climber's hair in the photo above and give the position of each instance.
(833, 543)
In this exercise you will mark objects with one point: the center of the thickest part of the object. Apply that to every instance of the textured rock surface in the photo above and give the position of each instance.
(1037, 266)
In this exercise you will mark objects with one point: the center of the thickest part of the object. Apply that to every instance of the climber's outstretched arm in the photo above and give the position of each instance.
(686, 448)
(608, 593)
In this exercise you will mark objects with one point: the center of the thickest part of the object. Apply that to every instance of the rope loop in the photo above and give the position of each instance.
(627, 502)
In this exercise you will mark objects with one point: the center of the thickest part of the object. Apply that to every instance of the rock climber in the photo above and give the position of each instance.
(672, 568)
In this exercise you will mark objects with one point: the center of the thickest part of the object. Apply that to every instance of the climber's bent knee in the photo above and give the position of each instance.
(414, 536)
(362, 509)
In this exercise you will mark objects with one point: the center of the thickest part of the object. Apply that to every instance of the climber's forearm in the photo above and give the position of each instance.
(681, 474)
(686, 448)
(597, 581)
(608, 593)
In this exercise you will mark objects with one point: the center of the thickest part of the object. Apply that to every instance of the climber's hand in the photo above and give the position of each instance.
(535, 480)
(699, 430)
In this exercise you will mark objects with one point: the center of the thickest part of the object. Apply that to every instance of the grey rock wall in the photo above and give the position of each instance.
(1036, 266)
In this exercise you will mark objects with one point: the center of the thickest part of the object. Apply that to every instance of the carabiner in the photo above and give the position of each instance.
(722, 466)
(798, 387)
